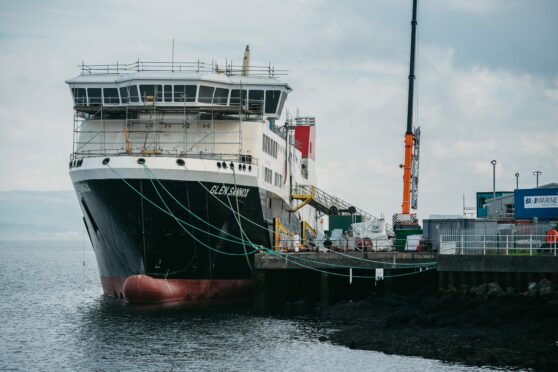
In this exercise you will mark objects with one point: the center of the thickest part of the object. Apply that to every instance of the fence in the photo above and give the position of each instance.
(513, 244)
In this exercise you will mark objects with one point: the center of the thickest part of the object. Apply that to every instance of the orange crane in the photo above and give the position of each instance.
(406, 219)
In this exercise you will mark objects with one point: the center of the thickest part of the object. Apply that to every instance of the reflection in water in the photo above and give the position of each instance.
(56, 318)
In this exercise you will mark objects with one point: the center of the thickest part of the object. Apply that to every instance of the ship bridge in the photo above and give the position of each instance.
(179, 86)
(186, 109)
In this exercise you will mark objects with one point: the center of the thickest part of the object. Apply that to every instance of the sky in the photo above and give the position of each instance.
(486, 84)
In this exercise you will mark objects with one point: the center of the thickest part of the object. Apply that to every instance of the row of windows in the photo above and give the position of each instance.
(268, 175)
(270, 146)
(278, 180)
(253, 99)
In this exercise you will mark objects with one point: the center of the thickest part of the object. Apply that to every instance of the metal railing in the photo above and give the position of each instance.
(228, 68)
(526, 245)
(329, 202)
(217, 104)
(288, 244)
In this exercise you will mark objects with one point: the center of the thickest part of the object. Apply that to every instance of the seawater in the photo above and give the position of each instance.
(53, 316)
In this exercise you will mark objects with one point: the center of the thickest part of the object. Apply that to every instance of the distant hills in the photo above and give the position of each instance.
(40, 214)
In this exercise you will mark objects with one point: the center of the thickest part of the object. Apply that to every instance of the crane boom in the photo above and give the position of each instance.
(409, 136)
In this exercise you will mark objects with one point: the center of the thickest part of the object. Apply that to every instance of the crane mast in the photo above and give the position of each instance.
(409, 135)
(406, 220)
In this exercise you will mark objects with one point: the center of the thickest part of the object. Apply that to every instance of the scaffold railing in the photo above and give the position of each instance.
(228, 68)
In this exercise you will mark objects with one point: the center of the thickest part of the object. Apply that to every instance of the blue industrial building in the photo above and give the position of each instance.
(540, 203)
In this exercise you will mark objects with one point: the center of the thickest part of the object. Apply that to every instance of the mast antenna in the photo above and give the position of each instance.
(172, 58)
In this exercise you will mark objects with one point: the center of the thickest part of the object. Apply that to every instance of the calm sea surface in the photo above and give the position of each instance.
(54, 317)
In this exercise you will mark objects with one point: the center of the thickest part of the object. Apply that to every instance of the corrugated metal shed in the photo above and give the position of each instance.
(456, 227)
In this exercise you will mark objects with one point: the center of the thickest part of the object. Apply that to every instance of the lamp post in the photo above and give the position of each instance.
(537, 174)
(517, 180)
(493, 162)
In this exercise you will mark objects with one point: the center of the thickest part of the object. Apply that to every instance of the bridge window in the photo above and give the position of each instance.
(94, 95)
(154, 91)
(221, 96)
(185, 93)
(168, 93)
(255, 99)
(133, 90)
(124, 94)
(271, 101)
(238, 98)
(281, 103)
(111, 95)
(80, 97)
(206, 94)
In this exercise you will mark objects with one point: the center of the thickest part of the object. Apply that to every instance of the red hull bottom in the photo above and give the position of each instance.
(143, 289)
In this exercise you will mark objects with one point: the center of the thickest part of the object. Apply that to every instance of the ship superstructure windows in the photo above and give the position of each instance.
(268, 175)
(94, 96)
(206, 94)
(110, 96)
(278, 181)
(80, 98)
(124, 94)
(269, 146)
(151, 92)
(238, 97)
(252, 98)
(168, 93)
(185, 93)
(255, 99)
(271, 101)
(133, 93)
(221, 96)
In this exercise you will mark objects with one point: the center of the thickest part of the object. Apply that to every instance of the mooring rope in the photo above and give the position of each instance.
(256, 248)
(410, 265)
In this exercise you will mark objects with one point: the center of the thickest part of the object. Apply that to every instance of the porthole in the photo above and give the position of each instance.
(219, 165)
(141, 161)
(249, 168)
(106, 161)
(180, 162)
(80, 162)
(232, 165)
(224, 165)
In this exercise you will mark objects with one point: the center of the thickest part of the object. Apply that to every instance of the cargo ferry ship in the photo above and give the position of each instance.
(182, 170)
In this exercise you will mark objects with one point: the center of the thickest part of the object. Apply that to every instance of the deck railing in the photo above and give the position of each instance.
(228, 68)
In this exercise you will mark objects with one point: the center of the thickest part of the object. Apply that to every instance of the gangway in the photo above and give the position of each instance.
(325, 203)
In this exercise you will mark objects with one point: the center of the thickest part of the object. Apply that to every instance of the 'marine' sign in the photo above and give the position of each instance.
(240, 192)
(542, 201)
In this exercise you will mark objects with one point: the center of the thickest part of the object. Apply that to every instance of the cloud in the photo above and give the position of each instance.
(348, 65)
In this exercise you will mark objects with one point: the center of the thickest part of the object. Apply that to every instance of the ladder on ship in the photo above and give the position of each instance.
(325, 203)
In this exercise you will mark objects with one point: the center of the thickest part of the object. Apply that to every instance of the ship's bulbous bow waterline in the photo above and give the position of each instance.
(143, 289)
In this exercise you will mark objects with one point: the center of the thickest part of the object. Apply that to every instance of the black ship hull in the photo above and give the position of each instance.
(207, 255)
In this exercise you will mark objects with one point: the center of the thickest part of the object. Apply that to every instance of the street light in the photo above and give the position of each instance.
(493, 162)
(517, 180)
(537, 174)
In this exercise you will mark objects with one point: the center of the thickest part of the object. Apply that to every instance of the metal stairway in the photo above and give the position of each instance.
(325, 203)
